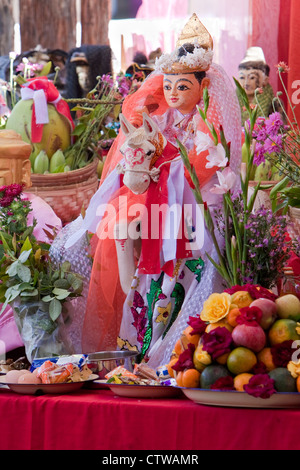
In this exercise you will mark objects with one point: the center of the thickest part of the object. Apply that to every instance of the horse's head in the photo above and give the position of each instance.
(141, 148)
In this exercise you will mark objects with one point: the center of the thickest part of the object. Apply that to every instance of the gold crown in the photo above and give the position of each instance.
(195, 33)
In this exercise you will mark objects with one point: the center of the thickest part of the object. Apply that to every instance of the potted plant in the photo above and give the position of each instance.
(29, 282)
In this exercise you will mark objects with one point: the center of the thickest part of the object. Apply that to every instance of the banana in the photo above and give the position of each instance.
(41, 163)
(57, 160)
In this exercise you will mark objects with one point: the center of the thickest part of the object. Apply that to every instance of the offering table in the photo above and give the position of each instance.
(99, 420)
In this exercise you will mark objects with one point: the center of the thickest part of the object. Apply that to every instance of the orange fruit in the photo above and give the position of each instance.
(192, 339)
(222, 359)
(232, 316)
(265, 356)
(283, 330)
(241, 299)
(240, 380)
(222, 323)
(179, 347)
(169, 366)
(191, 378)
(241, 360)
(179, 376)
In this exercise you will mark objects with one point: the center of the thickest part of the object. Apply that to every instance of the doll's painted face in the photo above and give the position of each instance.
(250, 80)
(182, 92)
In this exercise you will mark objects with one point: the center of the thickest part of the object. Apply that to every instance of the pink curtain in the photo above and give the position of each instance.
(265, 30)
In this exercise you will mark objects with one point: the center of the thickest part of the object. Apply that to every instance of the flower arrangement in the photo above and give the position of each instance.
(278, 145)
(27, 274)
(97, 121)
(241, 341)
(256, 246)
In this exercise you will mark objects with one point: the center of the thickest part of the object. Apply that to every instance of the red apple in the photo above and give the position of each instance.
(269, 312)
(251, 337)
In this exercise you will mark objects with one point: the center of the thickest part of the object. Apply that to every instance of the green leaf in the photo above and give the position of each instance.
(62, 284)
(24, 256)
(12, 269)
(27, 246)
(23, 272)
(61, 294)
(66, 267)
(32, 293)
(47, 298)
(79, 129)
(46, 69)
(55, 309)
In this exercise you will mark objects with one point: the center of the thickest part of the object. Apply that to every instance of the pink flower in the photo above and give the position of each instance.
(260, 386)
(217, 342)
(282, 67)
(256, 292)
(185, 360)
(198, 325)
(203, 142)
(227, 179)
(282, 353)
(250, 316)
(217, 157)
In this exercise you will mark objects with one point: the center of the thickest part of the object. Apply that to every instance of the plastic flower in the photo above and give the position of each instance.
(217, 342)
(260, 386)
(255, 291)
(294, 368)
(216, 307)
(282, 353)
(217, 157)
(185, 360)
(224, 383)
(227, 179)
(197, 324)
(250, 316)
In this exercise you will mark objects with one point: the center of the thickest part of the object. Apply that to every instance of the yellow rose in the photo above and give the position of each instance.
(216, 307)
(294, 368)
(241, 299)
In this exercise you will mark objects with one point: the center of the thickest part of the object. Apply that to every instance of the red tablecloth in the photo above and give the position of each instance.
(99, 420)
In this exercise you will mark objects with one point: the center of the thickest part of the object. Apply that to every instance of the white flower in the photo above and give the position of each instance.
(227, 179)
(203, 142)
(217, 157)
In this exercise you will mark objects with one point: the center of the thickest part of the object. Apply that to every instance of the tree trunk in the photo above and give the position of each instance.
(49, 23)
(6, 27)
(95, 17)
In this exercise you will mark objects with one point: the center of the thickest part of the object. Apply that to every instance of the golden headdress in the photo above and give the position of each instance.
(200, 59)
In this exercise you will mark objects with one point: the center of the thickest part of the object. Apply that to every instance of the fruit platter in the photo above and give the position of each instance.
(241, 350)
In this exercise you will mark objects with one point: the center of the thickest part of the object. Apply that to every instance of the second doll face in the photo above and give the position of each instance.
(250, 80)
(182, 92)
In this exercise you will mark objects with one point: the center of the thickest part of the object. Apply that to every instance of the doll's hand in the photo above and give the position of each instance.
(136, 118)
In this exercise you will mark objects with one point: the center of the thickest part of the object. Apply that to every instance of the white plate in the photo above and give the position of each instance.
(144, 391)
(41, 389)
(241, 399)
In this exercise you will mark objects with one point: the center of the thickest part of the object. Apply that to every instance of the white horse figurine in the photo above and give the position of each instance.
(141, 149)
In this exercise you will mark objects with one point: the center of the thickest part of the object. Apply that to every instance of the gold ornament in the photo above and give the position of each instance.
(195, 31)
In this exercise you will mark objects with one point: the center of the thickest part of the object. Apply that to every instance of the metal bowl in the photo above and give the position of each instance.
(103, 362)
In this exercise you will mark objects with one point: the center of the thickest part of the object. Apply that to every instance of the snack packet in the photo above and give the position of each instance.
(59, 374)
(120, 371)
